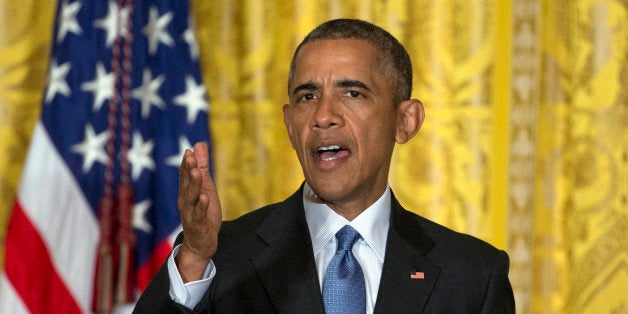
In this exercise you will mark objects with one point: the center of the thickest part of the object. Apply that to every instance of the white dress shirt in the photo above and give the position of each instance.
(372, 224)
(323, 223)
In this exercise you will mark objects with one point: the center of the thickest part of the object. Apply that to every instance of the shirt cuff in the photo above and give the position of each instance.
(188, 294)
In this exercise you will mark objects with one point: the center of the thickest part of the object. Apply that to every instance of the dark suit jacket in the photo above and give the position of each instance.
(265, 264)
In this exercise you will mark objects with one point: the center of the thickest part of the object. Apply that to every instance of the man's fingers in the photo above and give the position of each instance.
(188, 162)
(196, 188)
(198, 203)
(202, 159)
(200, 210)
(189, 182)
(202, 155)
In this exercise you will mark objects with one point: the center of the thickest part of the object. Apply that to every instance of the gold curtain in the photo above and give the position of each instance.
(25, 35)
(524, 143)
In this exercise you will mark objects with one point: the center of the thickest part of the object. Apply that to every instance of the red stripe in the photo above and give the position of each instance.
(30, 270)
(146, 272)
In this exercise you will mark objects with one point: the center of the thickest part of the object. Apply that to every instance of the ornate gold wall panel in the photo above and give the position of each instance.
(25, 30)
(523, 122)
(581, 213)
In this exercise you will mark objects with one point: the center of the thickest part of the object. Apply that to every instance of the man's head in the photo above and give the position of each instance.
(344, 117)
(391, 55)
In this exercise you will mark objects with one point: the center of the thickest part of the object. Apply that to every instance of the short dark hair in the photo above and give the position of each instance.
(391, 54)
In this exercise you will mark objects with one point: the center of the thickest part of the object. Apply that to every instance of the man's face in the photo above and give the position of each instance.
(342, 121)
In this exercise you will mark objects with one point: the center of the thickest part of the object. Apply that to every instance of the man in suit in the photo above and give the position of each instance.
(349, 88)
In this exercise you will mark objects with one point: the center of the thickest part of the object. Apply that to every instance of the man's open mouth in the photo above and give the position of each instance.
(331, 152)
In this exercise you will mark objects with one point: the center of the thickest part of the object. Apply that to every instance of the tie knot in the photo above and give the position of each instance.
(346, 238)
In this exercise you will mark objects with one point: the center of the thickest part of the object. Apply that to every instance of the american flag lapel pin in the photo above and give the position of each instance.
(417, 275)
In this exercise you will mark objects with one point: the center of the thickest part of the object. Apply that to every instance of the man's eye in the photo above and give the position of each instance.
(308, 96)
(353, 94)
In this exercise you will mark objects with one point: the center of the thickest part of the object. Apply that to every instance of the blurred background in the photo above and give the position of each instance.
(524, 144)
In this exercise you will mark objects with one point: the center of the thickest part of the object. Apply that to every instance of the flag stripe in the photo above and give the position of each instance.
(27, 262)
(70, 232)
(11, 302)
(146, 272)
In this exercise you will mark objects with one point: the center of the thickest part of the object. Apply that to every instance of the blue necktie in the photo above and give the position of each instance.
(344, 290)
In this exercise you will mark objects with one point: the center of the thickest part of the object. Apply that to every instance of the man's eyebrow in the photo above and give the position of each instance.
(352, 83)
(308, 86)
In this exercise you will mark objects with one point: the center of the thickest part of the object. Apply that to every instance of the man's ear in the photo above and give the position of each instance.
(410, 116)
(286, 122)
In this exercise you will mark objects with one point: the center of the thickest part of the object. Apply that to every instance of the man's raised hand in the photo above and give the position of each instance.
(200, 212)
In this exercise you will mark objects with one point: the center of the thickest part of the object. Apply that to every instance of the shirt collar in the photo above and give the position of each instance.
(323, 222)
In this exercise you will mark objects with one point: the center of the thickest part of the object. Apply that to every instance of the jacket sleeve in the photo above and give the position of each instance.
(499, 296)
(156, 297)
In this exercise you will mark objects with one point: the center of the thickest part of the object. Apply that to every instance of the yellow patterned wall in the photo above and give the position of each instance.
(25, 32)
(580, 248)
(524, 143)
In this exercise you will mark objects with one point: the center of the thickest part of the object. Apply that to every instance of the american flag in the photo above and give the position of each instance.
(97, 196)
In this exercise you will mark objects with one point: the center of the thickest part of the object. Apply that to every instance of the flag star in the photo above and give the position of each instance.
(114, 23)
(92, 148)
(156, 30)
(193, 99)
(56, 80)
(67, 20)
(139, 216)
(175, 160)
(140, 156)
(101, 86)
(190, 39)
(148, 93)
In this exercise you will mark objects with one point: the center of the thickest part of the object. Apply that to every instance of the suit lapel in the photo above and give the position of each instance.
(288, 271)
(405, 258)
(287, 268)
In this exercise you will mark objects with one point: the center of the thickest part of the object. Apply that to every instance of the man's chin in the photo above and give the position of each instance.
(327, 192)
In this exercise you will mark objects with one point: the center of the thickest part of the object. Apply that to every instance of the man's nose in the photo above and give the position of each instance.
(328, 113)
